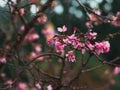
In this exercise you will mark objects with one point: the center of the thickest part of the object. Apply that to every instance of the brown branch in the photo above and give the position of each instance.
(106, 62)
(46, 74)
(87, 61)
(99, 66)
(87, 10)
(26, 66)
(29, 25)
(110, 36)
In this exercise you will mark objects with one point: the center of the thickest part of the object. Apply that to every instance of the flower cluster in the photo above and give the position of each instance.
(116, 19)
(81, 42)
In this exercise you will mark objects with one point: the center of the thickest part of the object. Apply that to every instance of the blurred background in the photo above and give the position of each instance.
(69, 13)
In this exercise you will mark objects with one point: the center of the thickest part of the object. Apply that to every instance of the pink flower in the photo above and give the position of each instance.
(3, 60)
(70, 39)
(116, 19)
(93, 17)
(22, 28)
(22, 11)
(63, 29)
(70, 56)
(102, 47)
(83, 50)
(2, 75)
(32, 37)
(59, 46)
(91, 35)
(9, 82)
(49, 41)
(42, 18)
(106, 47)
(78, 45)
(89, 45)
(116, 70)
(32, 55)
(49, 87)
(98, 48)
(22, 86)
(88, 24)
(38, 85)
(38, 48)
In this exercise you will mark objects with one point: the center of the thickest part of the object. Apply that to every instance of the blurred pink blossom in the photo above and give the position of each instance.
(32, 55)
(116, 19)
(42, 18)
(22, 11)
(3, 60)
(7, 47)
(32, 37)
(38, 86)
(112, 81)
(22, 28)
(116, 70)
(38, 48)
(49, 87)
(22, 86)
(9, 82)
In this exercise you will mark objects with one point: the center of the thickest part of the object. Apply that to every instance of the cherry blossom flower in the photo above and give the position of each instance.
(3, 75)
(81, 42)
(63, 29)
(102, 47)
(89, 45)
(98, 47)
(38, 86)
(42, 18)
(93, 17)
(49, 87)
(49, 33)
(91, 35)
(106, 47)
(59, 46)
(116, 70)
(70, 39)
(32, 37)
(78, 45)
(9, 82)
(38, 48)
(32, 55)
(49, 41)
(22, 86)
(22, 28)
(22, 11)
(3, 60)
(116, 19)
(70, 56)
